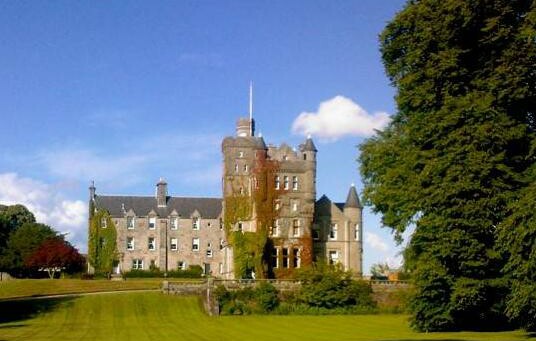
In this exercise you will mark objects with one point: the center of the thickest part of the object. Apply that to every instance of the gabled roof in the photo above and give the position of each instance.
(141, 205)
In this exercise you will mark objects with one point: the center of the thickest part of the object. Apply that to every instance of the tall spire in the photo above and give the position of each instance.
(251, 107)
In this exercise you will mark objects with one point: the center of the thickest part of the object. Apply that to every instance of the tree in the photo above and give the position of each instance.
(55, 255)
(455, 153)
(379, 270)
(11, 218)
(22, 243)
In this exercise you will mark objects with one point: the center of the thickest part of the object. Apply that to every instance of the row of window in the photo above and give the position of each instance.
(285, 157)
(333, 233)
(138, 264)
(286, 184)
(275, 230)
(289, 258)
(174, 223)
(174, 244)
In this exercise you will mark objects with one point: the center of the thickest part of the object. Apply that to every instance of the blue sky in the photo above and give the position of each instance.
(125, 92)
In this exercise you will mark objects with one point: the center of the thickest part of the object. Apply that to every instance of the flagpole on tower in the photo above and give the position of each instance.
(251, 108)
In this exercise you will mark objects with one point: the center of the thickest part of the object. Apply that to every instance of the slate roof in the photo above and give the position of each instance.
(308, 145)
(210, 208)
(352, 200)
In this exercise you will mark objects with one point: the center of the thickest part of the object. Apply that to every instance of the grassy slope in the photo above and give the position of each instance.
(153, 316)
(40, 287)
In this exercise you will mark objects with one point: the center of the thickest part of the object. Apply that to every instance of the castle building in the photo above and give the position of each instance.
(269, 194)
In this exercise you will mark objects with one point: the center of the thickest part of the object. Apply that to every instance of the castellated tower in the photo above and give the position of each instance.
(288, 177)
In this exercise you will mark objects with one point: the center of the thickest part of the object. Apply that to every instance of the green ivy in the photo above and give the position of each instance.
(102, 243)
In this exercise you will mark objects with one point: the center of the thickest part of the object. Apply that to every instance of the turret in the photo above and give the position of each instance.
(308, 149)
(161, 193)
(352, 206)
(245, 127)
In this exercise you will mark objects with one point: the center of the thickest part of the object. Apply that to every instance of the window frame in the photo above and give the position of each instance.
(196, 242)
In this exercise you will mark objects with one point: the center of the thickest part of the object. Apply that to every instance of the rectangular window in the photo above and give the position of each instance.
(277, 183)
(357, 232)
(236, 167)
(295, 228)
(222, 244)
(130, 243)
(295, 258)
(277, 205)
(240, 154)
(195, 244)
(174, 245)
(275, 260)
(333, 257)
(294, 205)
(275, 230)
(240, 226)
(220, 267)
(245, 168)
(196, 223)
(209, 253)
(221, 224)
(152, 223)
(137, 264)
(333, 232)
(316, 234)
(104, 223)
(285, 257)
(151, 243)
(181, 265)
(285, 182)
(295, 183)
(130, 223)
(174, 223)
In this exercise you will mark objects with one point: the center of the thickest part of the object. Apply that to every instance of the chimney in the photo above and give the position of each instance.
(161, 193)
(92, 191)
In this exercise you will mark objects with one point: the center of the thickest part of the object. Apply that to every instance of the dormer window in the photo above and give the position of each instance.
(152, 223)
(130, 223)
(174, 223)
(196, 223)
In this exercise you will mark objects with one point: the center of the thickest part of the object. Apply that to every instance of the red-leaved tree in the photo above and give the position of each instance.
(56, 255)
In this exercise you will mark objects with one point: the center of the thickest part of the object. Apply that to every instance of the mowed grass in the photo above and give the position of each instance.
(43, 287)
(154, 316)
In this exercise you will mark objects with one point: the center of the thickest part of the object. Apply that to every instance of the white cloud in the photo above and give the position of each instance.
(338, 117)
(376, 242)
(48, 206)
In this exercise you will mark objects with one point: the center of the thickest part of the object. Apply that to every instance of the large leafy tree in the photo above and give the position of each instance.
(457, 151)
(22, 243)
(11, 218)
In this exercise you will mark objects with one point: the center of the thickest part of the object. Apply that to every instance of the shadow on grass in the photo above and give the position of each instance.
(20, 310)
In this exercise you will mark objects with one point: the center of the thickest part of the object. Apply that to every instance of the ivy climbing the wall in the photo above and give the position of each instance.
(102, 244)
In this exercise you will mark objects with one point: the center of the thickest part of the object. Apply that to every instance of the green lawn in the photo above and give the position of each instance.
(41, 287)
(154, 316)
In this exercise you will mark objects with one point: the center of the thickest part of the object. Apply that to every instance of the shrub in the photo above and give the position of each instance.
(331, 287)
